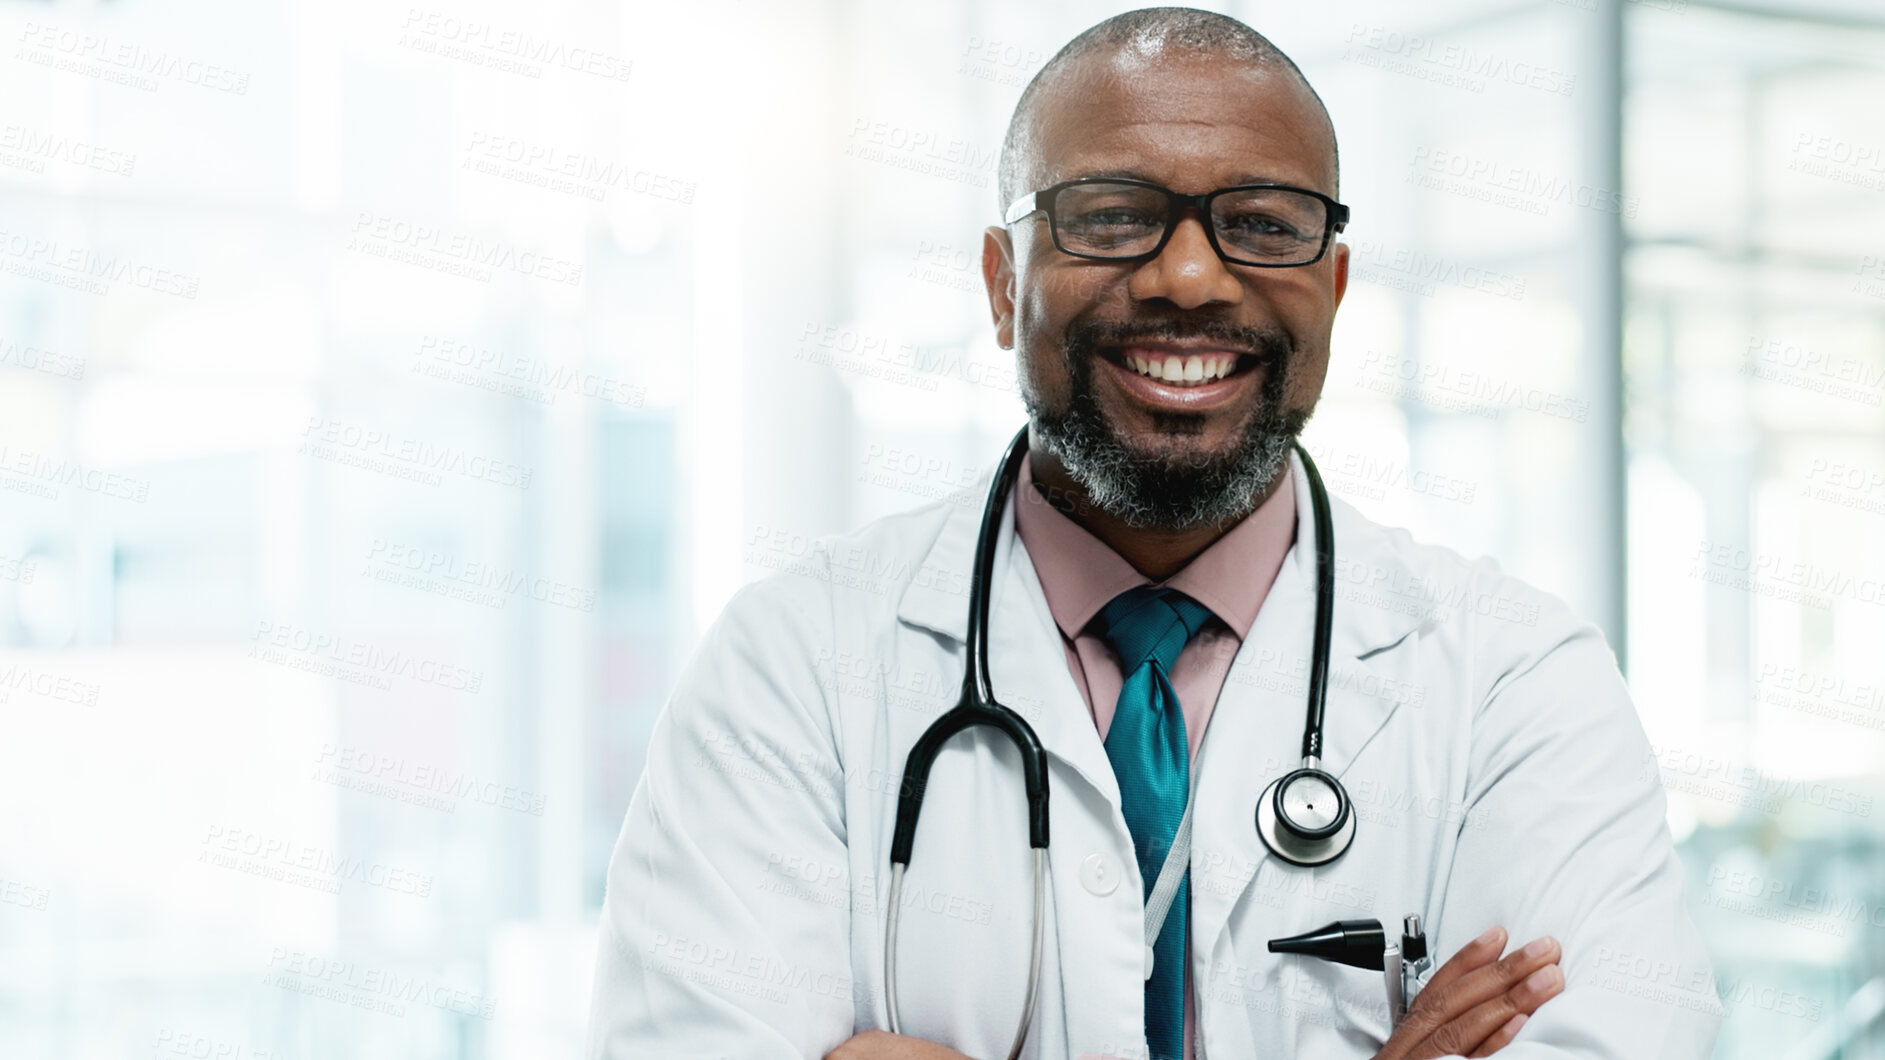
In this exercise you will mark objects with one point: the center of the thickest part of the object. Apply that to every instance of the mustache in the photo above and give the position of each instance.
(1271, 344)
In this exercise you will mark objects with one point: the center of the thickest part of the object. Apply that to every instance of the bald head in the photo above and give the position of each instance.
(1133, 41)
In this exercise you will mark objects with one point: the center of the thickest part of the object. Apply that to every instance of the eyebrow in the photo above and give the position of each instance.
(1133, 174)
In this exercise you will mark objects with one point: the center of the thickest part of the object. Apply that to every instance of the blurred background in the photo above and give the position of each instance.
(390, 395)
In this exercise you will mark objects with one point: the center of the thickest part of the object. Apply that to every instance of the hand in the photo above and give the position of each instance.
(883, 1045)
(1476, 1003)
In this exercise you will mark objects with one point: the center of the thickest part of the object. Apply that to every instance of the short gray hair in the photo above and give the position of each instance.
(1200, 32)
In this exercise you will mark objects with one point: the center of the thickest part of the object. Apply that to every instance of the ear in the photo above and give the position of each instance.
(1340, 250)
(998, 275)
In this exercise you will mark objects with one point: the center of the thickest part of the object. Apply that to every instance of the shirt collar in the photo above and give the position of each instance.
(1080, 574)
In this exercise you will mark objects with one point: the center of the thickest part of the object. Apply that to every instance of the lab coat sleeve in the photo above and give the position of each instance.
(1564, 834)
(725, 923)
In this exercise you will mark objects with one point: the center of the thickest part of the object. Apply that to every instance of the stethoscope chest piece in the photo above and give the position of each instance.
(1304, 817)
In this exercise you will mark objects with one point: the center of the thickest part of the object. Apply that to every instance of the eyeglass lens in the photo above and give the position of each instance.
(1265, 225)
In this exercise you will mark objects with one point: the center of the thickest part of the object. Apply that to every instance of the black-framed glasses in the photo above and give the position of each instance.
(1270, 226)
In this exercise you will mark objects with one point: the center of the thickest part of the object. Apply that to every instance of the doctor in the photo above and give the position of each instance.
(1500, 781)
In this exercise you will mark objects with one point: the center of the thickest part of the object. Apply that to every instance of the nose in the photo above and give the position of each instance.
(1188, 273)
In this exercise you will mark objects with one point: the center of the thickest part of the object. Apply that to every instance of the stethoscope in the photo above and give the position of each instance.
(1303, 817)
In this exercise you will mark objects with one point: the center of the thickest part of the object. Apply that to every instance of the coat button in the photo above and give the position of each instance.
(1098, 875)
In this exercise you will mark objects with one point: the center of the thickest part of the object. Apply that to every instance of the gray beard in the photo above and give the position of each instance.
(1150, 490)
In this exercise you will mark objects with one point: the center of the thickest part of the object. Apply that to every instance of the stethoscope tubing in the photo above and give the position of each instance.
(977, 706)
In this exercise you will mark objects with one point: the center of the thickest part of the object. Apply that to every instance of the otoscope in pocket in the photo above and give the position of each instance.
(1363, 944)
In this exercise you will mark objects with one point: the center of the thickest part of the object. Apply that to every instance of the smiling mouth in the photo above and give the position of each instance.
(1180, 370)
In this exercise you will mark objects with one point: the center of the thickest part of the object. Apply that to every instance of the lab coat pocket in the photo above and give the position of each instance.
(1353, 1005)
(1331, 1009)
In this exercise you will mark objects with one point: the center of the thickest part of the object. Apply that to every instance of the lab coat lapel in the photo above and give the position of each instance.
(1027, 663)
(1255, 733)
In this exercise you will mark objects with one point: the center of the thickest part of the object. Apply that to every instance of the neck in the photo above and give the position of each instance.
(1157, 554)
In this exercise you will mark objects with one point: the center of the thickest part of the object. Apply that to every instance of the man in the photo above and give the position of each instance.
(1170, 348)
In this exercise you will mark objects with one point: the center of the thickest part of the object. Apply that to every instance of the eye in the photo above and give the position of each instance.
(1259, 225)
(1115, 216)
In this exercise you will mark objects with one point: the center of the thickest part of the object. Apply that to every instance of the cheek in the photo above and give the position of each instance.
(1309, 383)
(1039, 332)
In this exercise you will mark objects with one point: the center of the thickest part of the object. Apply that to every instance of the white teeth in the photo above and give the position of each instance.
(1183, 371)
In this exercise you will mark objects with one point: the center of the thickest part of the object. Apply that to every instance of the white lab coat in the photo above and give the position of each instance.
(1498, 768)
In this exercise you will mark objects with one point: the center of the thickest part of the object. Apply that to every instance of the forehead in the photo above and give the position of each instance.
(1191, 122)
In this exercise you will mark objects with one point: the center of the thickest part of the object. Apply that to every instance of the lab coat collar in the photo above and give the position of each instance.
(1023, 634)
(1364, 556)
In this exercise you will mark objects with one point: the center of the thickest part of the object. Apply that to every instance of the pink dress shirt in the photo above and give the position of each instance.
(1080, 574)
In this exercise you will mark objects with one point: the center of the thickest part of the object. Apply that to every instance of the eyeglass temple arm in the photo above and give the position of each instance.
(1021, 208)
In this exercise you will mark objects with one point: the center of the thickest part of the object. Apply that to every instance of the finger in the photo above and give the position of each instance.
(1485, 1020)
(1489, 981)
(1501, 1037)
(1428, 1011)
(1481, 951)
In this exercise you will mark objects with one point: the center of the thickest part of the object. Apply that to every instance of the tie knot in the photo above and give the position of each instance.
(1149, 623)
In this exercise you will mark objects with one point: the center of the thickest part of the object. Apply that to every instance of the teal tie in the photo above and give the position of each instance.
(1147, 628)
